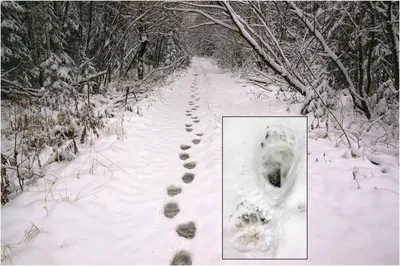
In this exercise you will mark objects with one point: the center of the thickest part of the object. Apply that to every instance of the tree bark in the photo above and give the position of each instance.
(394, 44)
(90, 26)
(142, 51)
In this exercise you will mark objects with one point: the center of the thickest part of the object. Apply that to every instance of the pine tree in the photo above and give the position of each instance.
(16, 62)
(172, 51)
(58, 71)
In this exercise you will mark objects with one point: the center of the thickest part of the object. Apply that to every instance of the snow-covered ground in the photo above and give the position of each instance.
(111, 204)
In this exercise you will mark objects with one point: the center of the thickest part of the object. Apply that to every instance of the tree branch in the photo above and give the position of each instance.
(217, 21)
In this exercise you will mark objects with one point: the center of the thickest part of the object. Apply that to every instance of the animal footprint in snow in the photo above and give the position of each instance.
(199, 134)
(196, 141)
(188, 178)
(188, 125)
(190, 165)
(194, 117)
(277, 156)
(250, 227)
(194, 109)
(182, 257)
(185, 147)
(183, 156)
(187, 230)
(173, 190)
(197, 99)
(171, 209)
(188, 114)
(196, 121)
(189, 129)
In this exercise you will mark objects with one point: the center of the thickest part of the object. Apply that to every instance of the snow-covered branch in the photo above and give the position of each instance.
(88, 78)
(17, 89)
(202, 24)
(205, 6)
(331, 54)
(201, 12)
(279, 69)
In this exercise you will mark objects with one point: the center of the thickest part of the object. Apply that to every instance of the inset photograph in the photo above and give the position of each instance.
(264, 187)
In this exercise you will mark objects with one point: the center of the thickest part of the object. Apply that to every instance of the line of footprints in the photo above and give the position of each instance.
(171, 209)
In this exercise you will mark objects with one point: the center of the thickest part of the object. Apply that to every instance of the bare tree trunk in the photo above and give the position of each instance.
(90, 25)
(142, 51)
(80, 25)
(131, 63)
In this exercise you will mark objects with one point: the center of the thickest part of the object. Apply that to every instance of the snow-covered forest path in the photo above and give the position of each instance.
(145, 197)
(133, 219)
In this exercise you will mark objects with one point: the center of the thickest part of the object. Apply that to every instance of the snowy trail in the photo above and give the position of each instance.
(127, 222)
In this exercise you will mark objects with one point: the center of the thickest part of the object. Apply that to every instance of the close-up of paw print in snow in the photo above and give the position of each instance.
(250, 227)
(264, 180)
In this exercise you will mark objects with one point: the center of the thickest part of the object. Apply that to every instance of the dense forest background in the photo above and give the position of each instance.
(65, 66)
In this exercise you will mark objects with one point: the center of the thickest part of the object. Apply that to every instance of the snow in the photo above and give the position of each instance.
(107, 206)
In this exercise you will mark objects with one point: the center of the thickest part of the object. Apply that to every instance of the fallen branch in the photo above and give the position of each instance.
(8, 167)
(161, 69)
(20, 89)
(262, 87)
(90, 77)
